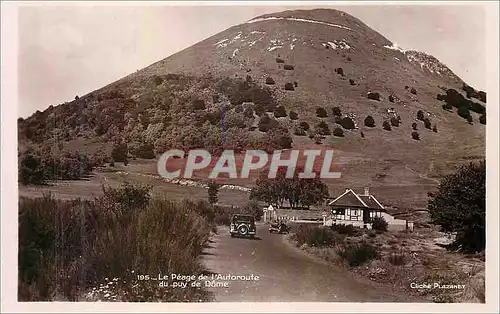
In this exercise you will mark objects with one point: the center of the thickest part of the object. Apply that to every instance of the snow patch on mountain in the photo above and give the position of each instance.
(396, 47)
(297, 20)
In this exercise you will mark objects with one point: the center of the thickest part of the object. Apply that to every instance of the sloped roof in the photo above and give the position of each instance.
(371, 201)
(350, 198)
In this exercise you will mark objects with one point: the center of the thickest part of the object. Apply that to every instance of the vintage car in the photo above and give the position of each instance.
(243, 225)
(278, 227)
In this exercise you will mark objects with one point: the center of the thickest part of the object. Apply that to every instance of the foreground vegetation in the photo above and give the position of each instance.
(94, 250)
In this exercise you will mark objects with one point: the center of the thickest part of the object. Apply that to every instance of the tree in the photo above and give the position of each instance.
(391, 98)
(482, 119)
(323, 128)
(304, 125)
(293, 115)
(420, 115)
(379, 224)
(386, 125)
(435, 129)
(119, 151)
(415, 135)
(269, 81)
(460, 206)
(347, 123)
(369, 122)
(336, 111)
(463, 111)
(414, 126)
(213, 192)
(394, 121)
(427, 123)
(321, 112)
(279, 112)
(338, 132)
(278, 137)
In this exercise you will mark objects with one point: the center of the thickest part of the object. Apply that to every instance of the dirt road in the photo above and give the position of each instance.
(285, 273)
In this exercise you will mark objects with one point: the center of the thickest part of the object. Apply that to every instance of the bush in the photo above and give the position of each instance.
(294, 115)
(357, 254)
(213, 192)
(379, 224)
(278, 137)
(427, 123)
(289, 86)
(482, 119)
(338, 132)
(288, 67)
(397, 259)
(316, 236)
(348, 230)
(469, 119)
(199, 104)
(391, 98)
(351, 82)
(339, 71)
(269, 81)
(266, 123)
(299, 131)
(304, 125)
(362, 135)
(119, 152)
(414, 126)
(321, 112)
(279, 60)
(394, 121)
(347, 123)
(415, 135)
(279, 112)
(413, 91)
(145, 151)
(373, 96)
(420, 115)
(67, 248)
(369, 122)
(434, 128)
(248, 112)
(460, 206)
(295, 84)
(386, 125)
(336, 111)
(323, 128)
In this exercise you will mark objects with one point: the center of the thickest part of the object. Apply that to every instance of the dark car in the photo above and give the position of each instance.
(243, 225)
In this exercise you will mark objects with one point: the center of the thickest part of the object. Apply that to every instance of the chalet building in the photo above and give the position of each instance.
(359, 210)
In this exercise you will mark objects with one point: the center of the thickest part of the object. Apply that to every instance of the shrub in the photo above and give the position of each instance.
(289, 86)
(269, 81)
(415, 135)
(119, 152)
(469, 119)
(339, 71)
(248, 112)
(304, 125)
(362, 135)
(321, 112)
(373, 96)
(295, 84)
(414, 126)
(357, 254)
(337, 111)
(406, 87)
(379, 224)
(369, 122)
(351, 82)
(316, 236)
(299, 131)
(293, 115)
(279, 60)
(420, 115)
(266, 123)
(434, 128)
(288, 67)
(391, 98)
(213, 192)
(397, 259)
(145, 151)
(386, 125)
(347, 123)
(67, 248)
(199, 104)
(349, 58)
(279, 112)
(427, 123)
(323, 128)
(463, 111)
(460, 206)
(338, 132)
(394, 121)
(348, 230)
(482, 119)
(413, 91)
(278, 137)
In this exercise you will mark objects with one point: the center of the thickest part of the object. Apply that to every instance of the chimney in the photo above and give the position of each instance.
(367, 191)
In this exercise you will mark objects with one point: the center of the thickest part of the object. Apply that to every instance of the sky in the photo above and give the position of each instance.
(71, 50)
